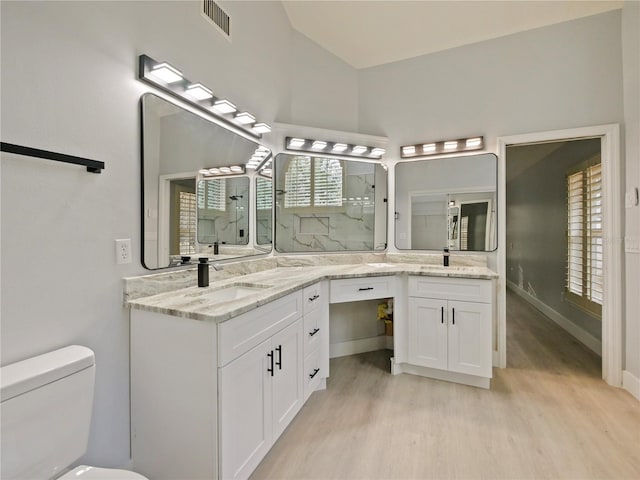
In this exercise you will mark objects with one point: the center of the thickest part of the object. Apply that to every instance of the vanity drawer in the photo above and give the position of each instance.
(367, 288)
(312, 297)
(465, 289)
(313, 330)
(313, 373)
(240, 334)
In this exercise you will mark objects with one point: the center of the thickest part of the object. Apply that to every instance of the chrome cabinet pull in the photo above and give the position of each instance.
(315, 330)
(315, 372)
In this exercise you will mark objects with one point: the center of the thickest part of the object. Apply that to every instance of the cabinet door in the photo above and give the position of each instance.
(470, 338)
(427, 332)
(287, 389)
(245, 412)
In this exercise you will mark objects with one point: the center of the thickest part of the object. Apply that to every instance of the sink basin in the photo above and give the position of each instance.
(234, 291)
(377, 265)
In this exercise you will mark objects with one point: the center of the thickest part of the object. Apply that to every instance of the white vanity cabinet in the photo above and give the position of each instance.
(449, 327)
(260, 386)
(316, 337)
(260, 393)
(208, 400)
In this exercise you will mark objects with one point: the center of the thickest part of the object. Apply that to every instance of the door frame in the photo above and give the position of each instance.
(613, 275)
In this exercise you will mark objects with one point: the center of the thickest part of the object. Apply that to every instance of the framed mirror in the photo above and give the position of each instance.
(329, 205)
(447, 203)
(264, 212)
(176, 145)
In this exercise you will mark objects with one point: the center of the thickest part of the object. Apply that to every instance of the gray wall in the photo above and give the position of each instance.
(69, 85)
(537, 227)
(631, 55)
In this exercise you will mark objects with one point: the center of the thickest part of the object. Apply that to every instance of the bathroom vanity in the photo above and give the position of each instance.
(218, 373)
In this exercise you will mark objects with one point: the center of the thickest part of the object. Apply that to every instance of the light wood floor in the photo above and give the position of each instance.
(548, 415)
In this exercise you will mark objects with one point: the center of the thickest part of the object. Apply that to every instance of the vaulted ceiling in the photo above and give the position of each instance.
(369, 33)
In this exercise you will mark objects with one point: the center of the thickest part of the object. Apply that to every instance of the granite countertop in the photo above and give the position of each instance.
(270, 284)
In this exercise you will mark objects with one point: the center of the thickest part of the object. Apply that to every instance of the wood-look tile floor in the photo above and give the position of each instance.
(548, 415)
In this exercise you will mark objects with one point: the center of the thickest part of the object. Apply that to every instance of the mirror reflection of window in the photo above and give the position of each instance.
(223, 211)
(326, 205)
(264, 210)
(182, 216)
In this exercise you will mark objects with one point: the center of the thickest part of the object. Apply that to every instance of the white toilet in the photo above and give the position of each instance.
(45, 418)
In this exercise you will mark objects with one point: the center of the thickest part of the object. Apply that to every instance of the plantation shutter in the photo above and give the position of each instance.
(297, 183)
(327, 182)
(585, 261)
(187, 223)
(264, 194)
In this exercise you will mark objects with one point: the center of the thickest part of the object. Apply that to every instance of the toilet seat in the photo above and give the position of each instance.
(84, 472)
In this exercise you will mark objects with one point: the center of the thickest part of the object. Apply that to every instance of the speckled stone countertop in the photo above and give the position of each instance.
(274, 279)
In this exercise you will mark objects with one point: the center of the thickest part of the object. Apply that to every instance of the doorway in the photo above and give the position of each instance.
(611, 243)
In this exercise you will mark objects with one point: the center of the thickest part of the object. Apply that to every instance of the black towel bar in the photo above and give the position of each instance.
(93, 166)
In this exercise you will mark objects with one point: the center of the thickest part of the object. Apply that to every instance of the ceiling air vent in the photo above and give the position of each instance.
(217, 16)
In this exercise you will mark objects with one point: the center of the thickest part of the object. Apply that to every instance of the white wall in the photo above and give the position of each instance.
(631, 58)
(69, 85)
(317, 102)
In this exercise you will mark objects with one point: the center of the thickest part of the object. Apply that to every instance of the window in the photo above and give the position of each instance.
(264, 195)
(585, 248)
(211, 194)
(187, 223)
(313, 182)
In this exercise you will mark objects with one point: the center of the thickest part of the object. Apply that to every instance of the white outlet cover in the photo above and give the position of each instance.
(123, 251)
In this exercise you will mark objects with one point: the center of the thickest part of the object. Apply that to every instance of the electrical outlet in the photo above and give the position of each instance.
(123, 250)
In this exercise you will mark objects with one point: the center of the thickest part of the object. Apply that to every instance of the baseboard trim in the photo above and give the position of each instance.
(631, 383)
(471, 380)
(362, 345)
(580, 334)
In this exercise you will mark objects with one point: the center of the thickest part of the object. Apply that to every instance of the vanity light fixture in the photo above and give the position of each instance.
(295, 142)
(224, 106)
(410, 150)
(339, 147)
(261, 128)
(324, 146)
(359, 150)
(444, 146)
(215, 171)
(169, 79)
(473, 142)
(199, 91)
(166, 73)
(244, 118)
(429, 147)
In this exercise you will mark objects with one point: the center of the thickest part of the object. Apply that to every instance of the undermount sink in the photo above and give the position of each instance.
(377, 265)
(234, 291)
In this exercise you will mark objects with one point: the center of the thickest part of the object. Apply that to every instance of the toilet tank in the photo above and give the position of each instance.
(45, 413)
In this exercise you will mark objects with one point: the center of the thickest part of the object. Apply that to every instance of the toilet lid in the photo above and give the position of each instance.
(84, 472)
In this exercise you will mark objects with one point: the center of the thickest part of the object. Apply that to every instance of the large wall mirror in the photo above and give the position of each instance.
(329, 205)
(185, 213)
(447, 203)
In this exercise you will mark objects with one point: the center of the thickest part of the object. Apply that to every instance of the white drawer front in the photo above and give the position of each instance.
(465, 289)
(355, 289)
(240, 334)
(312, 297)
(312, 373)
(313, 330)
